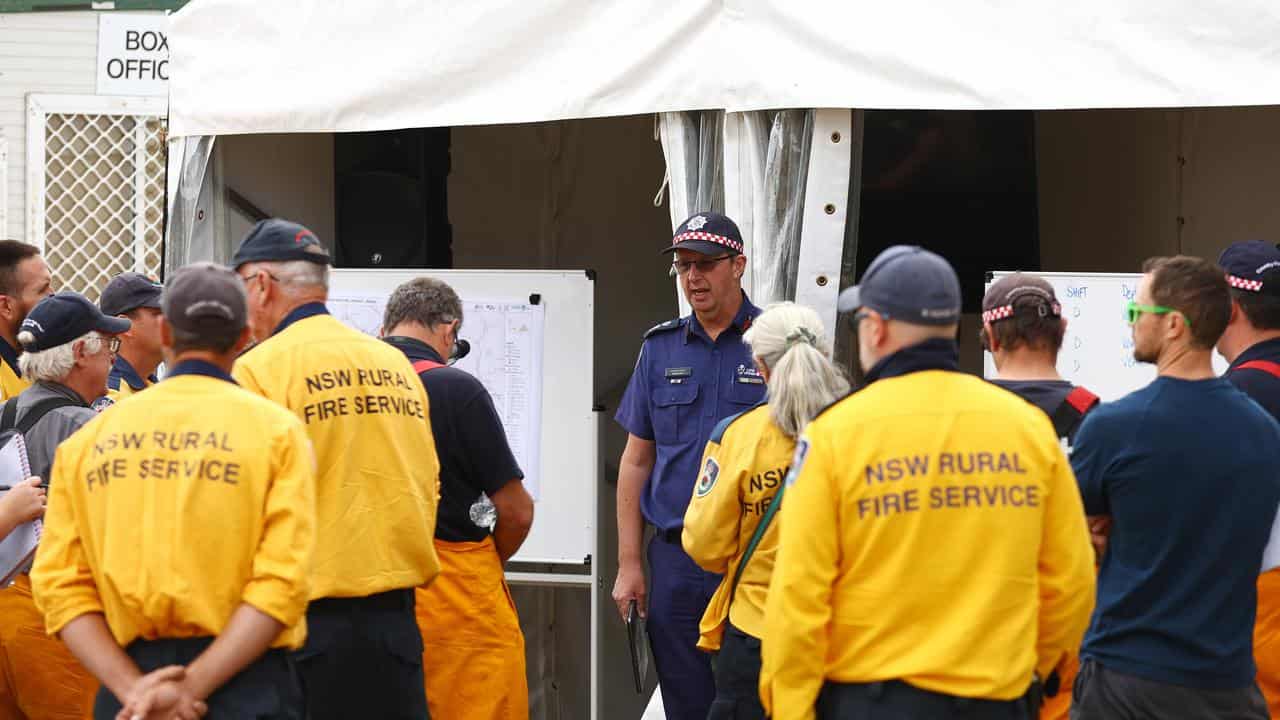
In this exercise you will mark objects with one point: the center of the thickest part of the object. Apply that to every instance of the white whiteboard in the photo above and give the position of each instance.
(1097, 351)
(565, 509)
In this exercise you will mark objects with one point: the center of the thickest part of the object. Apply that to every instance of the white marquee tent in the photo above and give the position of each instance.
(242, 66)
(245, 67)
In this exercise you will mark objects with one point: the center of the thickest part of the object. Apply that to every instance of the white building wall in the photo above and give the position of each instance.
(39, 53)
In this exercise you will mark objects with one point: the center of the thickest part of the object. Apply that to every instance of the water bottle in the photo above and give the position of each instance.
(483, 513)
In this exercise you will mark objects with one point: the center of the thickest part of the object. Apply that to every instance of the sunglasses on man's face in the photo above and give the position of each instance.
(682, 267)
(1134, 310)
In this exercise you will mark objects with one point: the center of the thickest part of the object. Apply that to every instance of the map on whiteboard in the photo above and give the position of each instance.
(506, 356)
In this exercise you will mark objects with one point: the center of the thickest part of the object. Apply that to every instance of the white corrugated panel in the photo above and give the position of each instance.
(39, 53)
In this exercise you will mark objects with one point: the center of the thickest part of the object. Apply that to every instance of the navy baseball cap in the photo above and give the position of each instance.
(276, 240)
(129, 291)
(708, 233)
(907, 283)
(1252, 266)
(63, 317)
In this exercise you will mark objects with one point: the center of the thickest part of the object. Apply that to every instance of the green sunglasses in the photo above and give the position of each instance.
(1133, 311)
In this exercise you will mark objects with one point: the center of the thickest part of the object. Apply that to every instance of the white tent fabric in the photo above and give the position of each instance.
(245, 66)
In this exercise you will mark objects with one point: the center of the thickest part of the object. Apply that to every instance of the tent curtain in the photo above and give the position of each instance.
(772, 152)
(768, 151)
(195, 223)
(693, 144)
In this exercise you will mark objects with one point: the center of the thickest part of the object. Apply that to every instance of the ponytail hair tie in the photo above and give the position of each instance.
(801, 335)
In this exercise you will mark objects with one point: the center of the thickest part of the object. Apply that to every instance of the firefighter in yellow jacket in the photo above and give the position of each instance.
(934, 557)
(377, 482)
(178, 540)
(25, 279)
(730, 526)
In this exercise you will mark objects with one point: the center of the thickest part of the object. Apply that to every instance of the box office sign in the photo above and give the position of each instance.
(133, 54)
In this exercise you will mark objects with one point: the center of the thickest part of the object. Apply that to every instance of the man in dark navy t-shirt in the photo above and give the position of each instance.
(1182, 468)
(1022, 328)
(473, 650)
(1251, 343)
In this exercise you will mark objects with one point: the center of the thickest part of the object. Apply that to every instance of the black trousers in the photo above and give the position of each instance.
(363, 659)
(265, 690)
(1102, 694)
(896, 700)
(737, 671)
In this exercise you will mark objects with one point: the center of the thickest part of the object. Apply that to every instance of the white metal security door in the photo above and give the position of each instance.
(95, 186)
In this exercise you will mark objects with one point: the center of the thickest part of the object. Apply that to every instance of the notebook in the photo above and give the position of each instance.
(18, 548)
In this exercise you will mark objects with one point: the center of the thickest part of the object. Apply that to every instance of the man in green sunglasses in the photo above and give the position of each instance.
(1134, 310)
(1180, 468)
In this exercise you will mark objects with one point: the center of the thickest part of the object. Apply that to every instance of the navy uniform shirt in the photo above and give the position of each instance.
(683, 385)
(470, 442)
(123, 372)
(1257, 383)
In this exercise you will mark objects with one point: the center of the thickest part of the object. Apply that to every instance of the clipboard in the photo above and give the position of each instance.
(638, 641)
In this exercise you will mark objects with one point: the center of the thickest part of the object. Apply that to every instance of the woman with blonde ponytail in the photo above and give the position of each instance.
(729, 527)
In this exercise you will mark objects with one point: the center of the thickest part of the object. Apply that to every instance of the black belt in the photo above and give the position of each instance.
(900, 698)
(672, 535)
(390, 600)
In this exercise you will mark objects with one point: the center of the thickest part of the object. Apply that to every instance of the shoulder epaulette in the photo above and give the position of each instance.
(662, 327)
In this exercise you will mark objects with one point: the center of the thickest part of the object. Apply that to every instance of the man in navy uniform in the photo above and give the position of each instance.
(692, 372)
(1251, 343)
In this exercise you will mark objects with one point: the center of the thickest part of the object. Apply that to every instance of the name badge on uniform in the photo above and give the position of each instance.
(749, 375)
(676, 376)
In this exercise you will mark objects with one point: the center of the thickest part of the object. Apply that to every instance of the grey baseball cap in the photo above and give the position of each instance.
(907, 283)
(205, 297)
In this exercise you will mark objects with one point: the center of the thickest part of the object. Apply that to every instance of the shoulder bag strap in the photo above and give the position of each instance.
(39, 410)
(1074, 406)
(422, 366)
(755, 540)
(8, 414)
(1265, 366)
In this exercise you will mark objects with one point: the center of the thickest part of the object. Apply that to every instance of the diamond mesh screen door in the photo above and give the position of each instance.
(95, 186)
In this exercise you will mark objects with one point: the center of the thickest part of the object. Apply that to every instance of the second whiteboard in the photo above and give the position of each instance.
(1097, 351)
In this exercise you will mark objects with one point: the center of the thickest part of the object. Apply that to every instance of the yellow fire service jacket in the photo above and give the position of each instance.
(176, 506)
(933, 533)
(11, 381)
(378, 477)
(743, 467)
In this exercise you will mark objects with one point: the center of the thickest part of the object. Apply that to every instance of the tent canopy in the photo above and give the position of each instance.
(246, 66)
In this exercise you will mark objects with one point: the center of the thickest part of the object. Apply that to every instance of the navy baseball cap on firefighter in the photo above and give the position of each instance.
(1017, 291)
(129, 291)
(708, 233)
(62, 317)
(907, 283)
(1252, 266)
(278, 240)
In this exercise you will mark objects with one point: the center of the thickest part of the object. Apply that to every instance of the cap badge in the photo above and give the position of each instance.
(697, 222)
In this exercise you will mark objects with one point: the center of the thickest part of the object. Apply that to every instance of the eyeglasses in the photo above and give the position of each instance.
(113, 344)
(1133, 311)
(682, 267)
